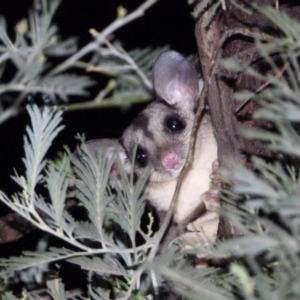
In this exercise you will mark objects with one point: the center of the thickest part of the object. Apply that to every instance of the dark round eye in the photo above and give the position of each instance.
(174, 124)
(141, 157)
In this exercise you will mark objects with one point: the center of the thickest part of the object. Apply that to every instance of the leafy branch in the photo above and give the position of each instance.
(88, 182)
(37, 42)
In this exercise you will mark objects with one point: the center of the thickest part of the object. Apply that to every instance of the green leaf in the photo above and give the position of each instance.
(107, 266)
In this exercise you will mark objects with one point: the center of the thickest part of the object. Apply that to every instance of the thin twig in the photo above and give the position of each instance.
(89, 251)
(139, 12)
(124, 56)
(118, 23)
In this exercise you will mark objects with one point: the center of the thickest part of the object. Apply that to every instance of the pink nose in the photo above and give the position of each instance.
(170, 160)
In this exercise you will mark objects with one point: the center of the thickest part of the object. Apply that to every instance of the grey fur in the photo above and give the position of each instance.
(177, 86)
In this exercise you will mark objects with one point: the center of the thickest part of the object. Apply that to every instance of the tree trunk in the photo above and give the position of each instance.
(224, 37)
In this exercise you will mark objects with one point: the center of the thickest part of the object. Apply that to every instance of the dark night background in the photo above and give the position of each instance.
(168, 22)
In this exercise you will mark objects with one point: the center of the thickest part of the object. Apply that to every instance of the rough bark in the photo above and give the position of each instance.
(224, 37)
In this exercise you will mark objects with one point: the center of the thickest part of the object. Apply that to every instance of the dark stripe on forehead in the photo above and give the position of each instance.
(142, 122)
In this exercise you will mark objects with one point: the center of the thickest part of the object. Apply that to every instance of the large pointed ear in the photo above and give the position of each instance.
(174, 78)
(111, 148)
(107, 146)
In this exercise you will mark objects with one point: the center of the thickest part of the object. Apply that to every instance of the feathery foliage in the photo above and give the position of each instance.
(264, 202)
(37, 42)
(113, 216)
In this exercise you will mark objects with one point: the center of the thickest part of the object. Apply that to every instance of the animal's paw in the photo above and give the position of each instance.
(204, 229)
(201, 236)
(202, 232)
(211, 197)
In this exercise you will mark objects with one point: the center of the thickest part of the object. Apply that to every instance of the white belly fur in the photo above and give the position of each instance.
(194, 185)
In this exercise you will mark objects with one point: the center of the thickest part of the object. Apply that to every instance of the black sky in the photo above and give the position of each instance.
(167, 23)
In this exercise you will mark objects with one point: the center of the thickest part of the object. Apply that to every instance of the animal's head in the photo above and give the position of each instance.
(162, 130)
